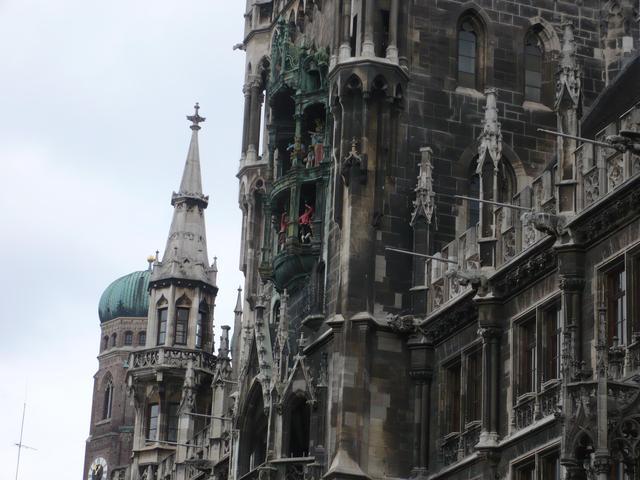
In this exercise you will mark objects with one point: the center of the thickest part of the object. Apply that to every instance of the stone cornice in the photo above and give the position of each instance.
(607, 214)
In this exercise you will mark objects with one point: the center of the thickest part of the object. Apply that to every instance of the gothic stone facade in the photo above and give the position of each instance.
(509, 348)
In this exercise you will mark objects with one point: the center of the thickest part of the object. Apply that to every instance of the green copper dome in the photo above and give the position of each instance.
(128, 296)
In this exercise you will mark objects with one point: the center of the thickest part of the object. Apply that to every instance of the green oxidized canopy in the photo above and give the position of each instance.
(128, 296)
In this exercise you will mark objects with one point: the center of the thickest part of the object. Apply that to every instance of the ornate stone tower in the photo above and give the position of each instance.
(122, 310)
(170, 379)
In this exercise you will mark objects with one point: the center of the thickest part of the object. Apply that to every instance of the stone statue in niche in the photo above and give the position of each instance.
(317, 143)
(282, 232)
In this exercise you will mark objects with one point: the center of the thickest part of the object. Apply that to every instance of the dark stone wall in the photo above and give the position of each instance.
(448, 119)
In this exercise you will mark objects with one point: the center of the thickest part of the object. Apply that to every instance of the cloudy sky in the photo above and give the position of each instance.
(93, 137)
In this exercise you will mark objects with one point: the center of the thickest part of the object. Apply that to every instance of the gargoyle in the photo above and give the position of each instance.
(475, 278)
(545, 222)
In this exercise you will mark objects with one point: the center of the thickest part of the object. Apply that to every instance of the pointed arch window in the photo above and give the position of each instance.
(162, 325)
(107, 400)
(105, 342)
(468, 54)
(533, 56)
(142, 338)
(202, 324)
(128, 338)
(114, 339)
(183, 305)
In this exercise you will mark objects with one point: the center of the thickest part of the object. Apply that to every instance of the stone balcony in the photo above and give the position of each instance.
(157, 359)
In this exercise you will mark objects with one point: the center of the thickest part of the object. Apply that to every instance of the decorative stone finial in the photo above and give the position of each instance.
(196, 119)
(491, 136)
(569, 82)
(424, 204)
(150, 260)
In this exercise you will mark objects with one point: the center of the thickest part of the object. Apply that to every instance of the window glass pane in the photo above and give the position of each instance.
(152, 422)
(128, 338)
(532, 94)
(172, 422)
(550, 466)
(474, 386)
(142, 338)
(616, 284)
(182, 317)
(452, 395)
(527, 357)
(467, 48)
(467, 53)
(467, 65)
(551, 328)
(162, 326)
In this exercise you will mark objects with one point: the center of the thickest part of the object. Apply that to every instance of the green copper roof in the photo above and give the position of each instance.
(128, 296)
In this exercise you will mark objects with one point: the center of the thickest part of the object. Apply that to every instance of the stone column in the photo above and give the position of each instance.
(368, 47)
(345, 41)
(421, 373)
(490, 388)
(253, 140)
(392, 49)
(246, 125)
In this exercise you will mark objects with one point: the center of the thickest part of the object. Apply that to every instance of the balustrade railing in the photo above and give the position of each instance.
(171, 357)
(450, 449)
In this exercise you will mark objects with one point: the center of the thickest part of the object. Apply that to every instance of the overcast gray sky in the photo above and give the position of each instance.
(93, 138)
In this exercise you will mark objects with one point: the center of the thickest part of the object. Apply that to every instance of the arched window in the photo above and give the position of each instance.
(142, 338)
(533, 55)
(107, 400)
(468, 54)
(162, 325)
(202, 324)
(128, 338)
(183, 305)
(105, 342)
(114, 339)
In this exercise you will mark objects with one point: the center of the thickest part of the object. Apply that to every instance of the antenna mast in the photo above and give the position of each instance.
(20, 445)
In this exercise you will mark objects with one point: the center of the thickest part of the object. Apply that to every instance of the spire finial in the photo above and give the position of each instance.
(238, 308)
(491, 136)
(196, 119)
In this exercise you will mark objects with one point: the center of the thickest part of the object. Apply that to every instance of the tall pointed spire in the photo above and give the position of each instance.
(491, 136)
(185, 256)
(191, 183)
(238, 308)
